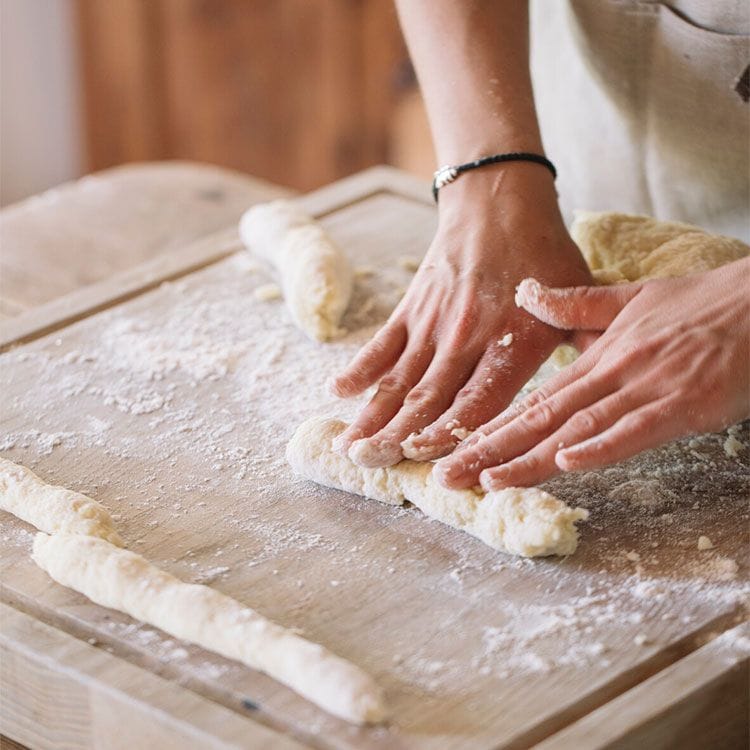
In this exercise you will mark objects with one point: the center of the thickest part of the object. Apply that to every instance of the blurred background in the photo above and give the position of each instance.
(299, 92)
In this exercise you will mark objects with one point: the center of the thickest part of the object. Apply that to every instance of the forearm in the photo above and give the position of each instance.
(471, 59)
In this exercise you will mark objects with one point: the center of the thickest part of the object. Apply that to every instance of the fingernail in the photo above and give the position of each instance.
(447, 472)
(527, 291)
(337, 386)
(494, 479)
(372, 455)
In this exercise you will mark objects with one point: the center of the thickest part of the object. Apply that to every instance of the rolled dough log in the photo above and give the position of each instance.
(51, 508)
(315, 274)
(123, 580)
(521, 521)
(84, 553)
(623, 247)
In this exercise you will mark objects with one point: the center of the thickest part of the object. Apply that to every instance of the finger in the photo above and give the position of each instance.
(527, 430)
(582, 340)
(422, 405)
(496, 379)
(389, 397)
(539, 464)
(588, 308)
(646, 427)
(565, 377)
(372, 361)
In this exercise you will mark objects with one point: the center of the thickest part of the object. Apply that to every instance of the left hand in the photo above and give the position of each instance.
(673, 360)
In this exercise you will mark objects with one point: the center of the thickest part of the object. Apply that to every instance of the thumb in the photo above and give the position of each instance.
(583, 308)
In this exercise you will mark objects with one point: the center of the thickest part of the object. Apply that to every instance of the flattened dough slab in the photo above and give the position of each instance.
(522, 521)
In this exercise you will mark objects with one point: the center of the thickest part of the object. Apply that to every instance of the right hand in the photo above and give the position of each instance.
(439, 357)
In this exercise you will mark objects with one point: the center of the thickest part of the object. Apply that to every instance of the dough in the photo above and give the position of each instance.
(50, 508)
(315, 274)
(123, 580)
(620, 247)
(527, 522)
(84, 553)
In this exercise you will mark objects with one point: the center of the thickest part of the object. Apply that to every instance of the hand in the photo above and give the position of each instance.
(443, 358)
(673, 360)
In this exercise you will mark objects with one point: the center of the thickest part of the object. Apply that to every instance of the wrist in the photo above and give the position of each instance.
(496, 187)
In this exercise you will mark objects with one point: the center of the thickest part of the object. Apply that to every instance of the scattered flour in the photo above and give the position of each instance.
(189, 411)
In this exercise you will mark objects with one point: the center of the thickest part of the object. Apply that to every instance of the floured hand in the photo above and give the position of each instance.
(444, 359)
(672, 360)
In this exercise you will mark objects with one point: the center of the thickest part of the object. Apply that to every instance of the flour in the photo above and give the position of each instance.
(179, 422)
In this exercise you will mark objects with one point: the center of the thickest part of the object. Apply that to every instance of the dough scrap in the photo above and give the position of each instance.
(315, 273)
(522, 521)
(83, 551)
(125, 581)
(623, 247)
(51, 508)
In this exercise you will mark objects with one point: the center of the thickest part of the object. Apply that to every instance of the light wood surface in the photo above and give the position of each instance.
(474, 649)
(699, 701)
(89, 229)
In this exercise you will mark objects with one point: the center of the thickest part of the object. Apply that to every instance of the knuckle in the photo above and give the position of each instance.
(423, 395)
(584, 422)
(393, 384)
(539, 417)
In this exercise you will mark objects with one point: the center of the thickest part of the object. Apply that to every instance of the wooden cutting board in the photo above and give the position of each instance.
(168, 394)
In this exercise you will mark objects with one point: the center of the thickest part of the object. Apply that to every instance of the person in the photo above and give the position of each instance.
(647, 113)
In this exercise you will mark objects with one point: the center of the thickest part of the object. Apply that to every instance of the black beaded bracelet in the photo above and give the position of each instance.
(447, 174)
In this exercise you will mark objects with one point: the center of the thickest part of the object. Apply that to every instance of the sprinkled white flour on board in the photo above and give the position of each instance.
(174, 409)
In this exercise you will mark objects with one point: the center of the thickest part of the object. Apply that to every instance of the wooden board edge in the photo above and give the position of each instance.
(700, 701)
(60, 691)
(118, 288)
(196, 255)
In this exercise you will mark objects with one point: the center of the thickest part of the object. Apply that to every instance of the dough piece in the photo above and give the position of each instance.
(521, 521)
(123, 580)
(620, 247)
(315, 274)
(268, 292)
(51, 508)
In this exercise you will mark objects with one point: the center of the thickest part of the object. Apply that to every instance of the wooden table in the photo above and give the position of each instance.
(86, 230)
(171, 403)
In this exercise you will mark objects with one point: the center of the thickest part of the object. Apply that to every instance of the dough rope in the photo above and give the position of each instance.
(521, 521)
(125, 581)
(83, 551)
(51, 508)
(315, 274)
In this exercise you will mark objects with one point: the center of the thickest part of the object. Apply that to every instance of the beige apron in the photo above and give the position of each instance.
(643, 107)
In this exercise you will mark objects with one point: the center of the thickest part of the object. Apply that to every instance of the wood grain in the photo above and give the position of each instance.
(89, 698)
(444, 623)
(90, 229)
(698, 702)
(300, 92)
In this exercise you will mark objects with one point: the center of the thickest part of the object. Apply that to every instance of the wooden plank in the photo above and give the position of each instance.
(123, 81)
(173, 264)
(698, 702)
(88, 230)
(201, 80)
(91, 699)
(173, 409)
(123, 286)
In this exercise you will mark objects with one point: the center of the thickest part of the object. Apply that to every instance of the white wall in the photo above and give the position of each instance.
(40, 117)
